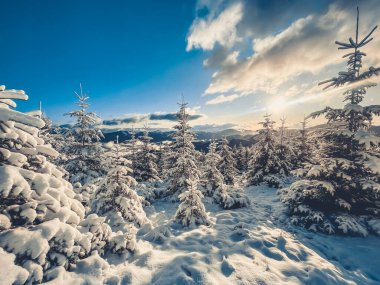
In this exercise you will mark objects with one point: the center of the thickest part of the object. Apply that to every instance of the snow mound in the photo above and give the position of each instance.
(252, 245)
(10, 273)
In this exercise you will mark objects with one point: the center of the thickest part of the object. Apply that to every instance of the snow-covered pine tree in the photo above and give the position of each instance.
(191, 210)
(55, 137)
(40, 221)
(132, 143)
(303, 144)
(212, 179)
(181, 160)
(265, 164)
(242, 158)
(282, 132)
(84, 164)
(227, 163)
(146, 169)
(214, 186)
(285, 149)
(115, 196)
(341, 192)
(234, 150)
(45, 131)
(162, 151)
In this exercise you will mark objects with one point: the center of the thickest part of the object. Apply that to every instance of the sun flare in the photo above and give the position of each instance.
(277, 104)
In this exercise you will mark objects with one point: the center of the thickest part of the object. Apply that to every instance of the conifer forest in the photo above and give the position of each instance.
(281, 188)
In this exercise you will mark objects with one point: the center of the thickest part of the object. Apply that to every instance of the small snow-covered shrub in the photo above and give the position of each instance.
(231, 198)
(122, 242)
(374, 225)
(191, 210)
(148, 192)
(85, 194)
(98, 232)
(158, 234)
(93, 265)
(348, 224)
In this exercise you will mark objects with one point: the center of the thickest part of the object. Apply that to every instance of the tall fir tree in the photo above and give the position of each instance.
(266, 164)
(133, 151)
(212, 179)
(146, 169)
(340, 192)
(285, 148)
(227, 163)
(84, 163)
(115, 194)
(182, 165)
(242, 158)
(303, 144)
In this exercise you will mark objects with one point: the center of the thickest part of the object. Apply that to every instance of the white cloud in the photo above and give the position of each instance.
(279, 61)
(214, 127)
(305, 46)
(273, 59)
(157, 118)
(223, 99)
(205, 33)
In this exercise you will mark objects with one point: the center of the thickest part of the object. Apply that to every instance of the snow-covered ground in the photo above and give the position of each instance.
(251, 245)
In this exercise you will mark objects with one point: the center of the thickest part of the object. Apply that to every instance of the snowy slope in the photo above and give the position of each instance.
(248, 246)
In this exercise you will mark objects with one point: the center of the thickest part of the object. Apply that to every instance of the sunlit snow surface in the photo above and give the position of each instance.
(253, 245)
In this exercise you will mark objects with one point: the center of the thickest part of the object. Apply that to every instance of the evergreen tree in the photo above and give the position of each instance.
(191, 210)
(146, 167)
(133, 151)
(285, 150)
(115, 194)
(166, 159)
(282, 132)
(84, 163)
(340, 192)
(160, 159)
(214, 186)
(266, 164)
(182, 157)
(212, 178)
(55, 137)
(242, 158)
(227, 163)
(305, 149)
(46, 130)
(40, 221)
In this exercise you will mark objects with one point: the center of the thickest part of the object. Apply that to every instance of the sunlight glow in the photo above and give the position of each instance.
(277, 104)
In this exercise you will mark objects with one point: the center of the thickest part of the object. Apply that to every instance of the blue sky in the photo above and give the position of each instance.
(129, 55)
(233, 60)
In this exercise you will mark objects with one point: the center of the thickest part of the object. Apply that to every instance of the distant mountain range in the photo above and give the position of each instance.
(203, 138)
(234, 136)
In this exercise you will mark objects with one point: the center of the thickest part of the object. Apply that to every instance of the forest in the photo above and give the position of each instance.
(299, 206)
